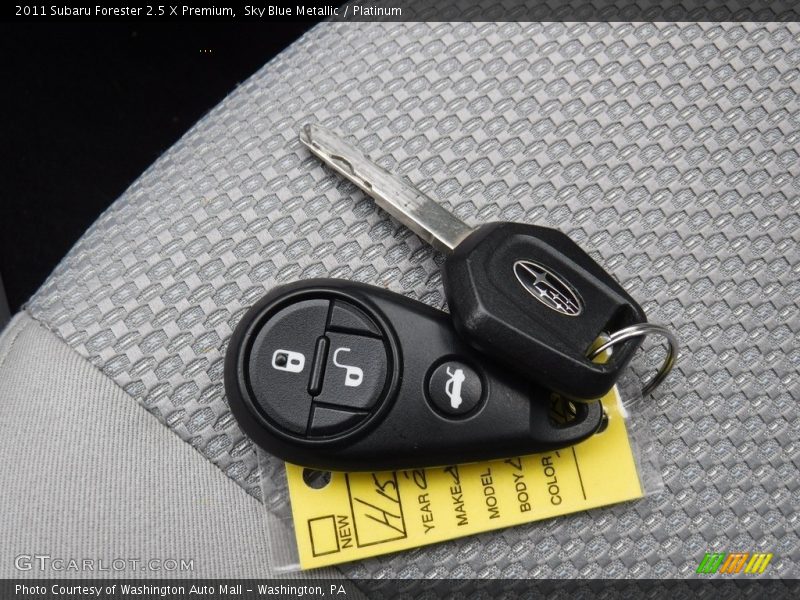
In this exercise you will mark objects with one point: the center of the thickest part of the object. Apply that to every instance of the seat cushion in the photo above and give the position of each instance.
(88, 475)
(669, 151)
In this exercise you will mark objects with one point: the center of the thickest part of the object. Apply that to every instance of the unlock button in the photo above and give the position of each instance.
(355, 371)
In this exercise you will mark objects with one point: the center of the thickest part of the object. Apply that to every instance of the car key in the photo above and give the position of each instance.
(521, 294)
(338, 375)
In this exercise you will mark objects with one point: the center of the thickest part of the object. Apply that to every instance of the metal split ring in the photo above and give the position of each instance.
(643, 330)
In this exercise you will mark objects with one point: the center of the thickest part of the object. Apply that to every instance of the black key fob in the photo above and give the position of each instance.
(338, 375)
(532, 298)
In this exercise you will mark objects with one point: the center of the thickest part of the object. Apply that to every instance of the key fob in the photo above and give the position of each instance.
(338, 375)
(530, 297)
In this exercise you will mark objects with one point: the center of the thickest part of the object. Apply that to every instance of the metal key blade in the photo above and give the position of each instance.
(421, 214)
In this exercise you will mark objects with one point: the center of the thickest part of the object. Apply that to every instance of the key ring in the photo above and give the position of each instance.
(643, 330)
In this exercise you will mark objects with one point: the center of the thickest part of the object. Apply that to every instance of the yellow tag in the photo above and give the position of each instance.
(358, 515)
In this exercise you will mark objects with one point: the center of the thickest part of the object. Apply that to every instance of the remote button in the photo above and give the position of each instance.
(454, 389)
(330, 421)
(346, 316)
(355, 372)
(281, 359)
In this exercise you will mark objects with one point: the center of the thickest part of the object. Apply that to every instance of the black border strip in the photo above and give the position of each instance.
(708, 587)
(416, 11)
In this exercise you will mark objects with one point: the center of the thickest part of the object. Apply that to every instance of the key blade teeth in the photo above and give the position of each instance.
(325, 144)
(401, 199)
(320, 140)
(306, 135)
(343, 165)
(314, 137)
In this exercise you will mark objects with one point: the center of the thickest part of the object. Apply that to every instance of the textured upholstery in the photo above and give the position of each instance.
(87, 474)
(669, 151)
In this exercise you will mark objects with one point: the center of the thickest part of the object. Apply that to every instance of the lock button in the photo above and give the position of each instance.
(288, 360)
(355, 371)
(280, 363)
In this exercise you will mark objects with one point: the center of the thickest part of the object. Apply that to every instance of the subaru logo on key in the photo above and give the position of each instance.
(548, 288)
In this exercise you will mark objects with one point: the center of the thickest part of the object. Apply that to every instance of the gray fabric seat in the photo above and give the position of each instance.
(669, 151)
